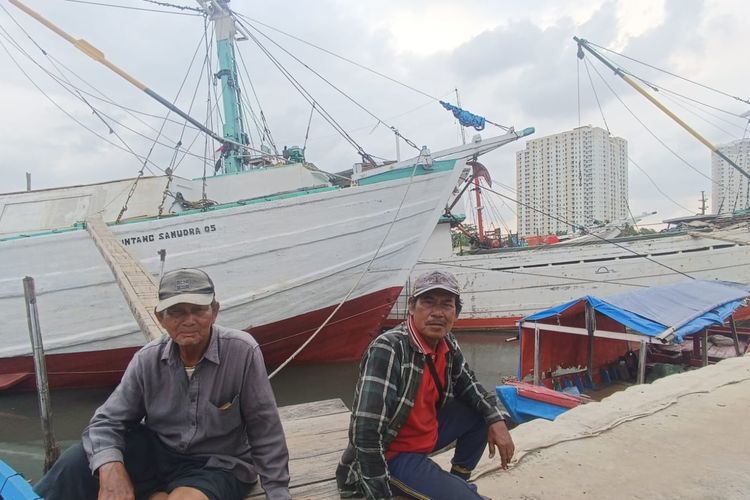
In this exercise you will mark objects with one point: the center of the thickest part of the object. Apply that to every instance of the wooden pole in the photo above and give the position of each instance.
(591, 328)
(162, 259)
(28, 181)
(537, 355)
(734, 335)
(642, 363)
(51, 451)
(704, 347)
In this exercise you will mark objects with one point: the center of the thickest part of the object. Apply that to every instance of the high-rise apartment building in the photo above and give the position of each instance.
(571, 179)
(730, 190)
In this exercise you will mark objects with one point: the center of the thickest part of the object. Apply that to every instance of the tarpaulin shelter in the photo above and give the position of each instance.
(593, 332)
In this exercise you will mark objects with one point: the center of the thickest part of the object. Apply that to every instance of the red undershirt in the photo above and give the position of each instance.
(419, 433)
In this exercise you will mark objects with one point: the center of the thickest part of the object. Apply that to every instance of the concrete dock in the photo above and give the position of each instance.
(686, 436)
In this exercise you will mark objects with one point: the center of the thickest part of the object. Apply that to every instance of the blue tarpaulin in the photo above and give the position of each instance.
(685, 307)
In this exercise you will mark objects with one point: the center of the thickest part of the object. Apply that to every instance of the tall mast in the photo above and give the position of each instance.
(584, 44)
(225, 30)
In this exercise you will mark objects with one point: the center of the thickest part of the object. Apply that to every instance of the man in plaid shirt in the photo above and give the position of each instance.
(415, 395)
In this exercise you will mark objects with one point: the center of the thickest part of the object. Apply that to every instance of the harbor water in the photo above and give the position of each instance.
(489, 354)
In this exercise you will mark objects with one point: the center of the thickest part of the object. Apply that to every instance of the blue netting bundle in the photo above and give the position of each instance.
(464, 117)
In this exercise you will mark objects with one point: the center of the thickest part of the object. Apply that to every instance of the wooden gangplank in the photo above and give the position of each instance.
(138, 286)
(316, 435)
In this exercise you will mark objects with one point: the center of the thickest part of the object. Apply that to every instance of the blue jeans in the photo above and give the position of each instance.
(415, 475)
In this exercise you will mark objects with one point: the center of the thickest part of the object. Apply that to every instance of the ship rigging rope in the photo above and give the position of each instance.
(328, 82)
(264, 132)
(571, 279)
(64, 84)
(653, 134)
(173, 6)
(68, 114)
(707, 87)
(663, 90)
(309, 98)
(155, 141)
(72, 89)
(361, 276)
(352, 62)
(713, 181)
(559, 219)
(129, 7)
(601, 112)
(596, 96)
(174, 164)
(679, 100)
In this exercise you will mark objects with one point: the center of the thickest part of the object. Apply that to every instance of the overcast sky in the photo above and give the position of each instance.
(513, 62)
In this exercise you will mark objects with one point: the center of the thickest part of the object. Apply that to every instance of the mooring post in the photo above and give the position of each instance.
(51, 451)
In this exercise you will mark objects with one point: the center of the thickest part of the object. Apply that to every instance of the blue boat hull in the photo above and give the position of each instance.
(523, 409)
(13, 486)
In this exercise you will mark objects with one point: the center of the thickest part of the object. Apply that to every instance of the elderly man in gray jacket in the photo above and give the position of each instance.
(194, 416)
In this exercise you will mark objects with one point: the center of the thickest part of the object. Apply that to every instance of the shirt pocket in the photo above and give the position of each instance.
(223, 419)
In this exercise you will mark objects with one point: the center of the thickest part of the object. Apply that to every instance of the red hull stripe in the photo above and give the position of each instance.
(344, 339)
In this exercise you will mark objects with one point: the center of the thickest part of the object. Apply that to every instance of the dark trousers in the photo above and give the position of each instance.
(151, 466)
(70, 478)
(415, 475)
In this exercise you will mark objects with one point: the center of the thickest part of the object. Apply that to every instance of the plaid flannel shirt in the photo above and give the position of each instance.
(390, 373)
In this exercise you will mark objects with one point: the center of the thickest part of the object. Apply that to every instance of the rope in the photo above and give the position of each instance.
(73, 90)
(316, 73)
(559, 219)
(604, 119)
(143, 9)
(307, 132)
(350, 61)
(359, 280)
(180, 7)
(683, 160)
(746, 101)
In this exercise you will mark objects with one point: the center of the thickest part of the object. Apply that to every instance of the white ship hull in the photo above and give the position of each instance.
(501, 287)
(279, 267)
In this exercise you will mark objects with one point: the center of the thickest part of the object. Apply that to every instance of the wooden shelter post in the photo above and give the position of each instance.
(590, 328)
(734, 335)
(537, 354)
(704, 347)
(642, 363)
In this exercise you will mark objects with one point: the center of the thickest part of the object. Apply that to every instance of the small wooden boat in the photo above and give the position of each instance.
(602, 344)
(526, 402)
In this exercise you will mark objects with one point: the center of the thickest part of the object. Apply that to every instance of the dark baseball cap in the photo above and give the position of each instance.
(435, 280)
(188, 286)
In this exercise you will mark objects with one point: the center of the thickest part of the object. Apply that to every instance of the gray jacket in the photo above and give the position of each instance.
(226, 412)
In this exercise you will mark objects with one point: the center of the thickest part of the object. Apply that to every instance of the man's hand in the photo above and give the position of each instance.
(114, 482)
(498, 435)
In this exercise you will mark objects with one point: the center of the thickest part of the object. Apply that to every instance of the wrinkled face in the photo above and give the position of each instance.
(189, 325)
(434, 313)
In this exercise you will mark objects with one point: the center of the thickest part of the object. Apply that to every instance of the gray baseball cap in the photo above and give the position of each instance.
(435, 280)
(188, 286)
